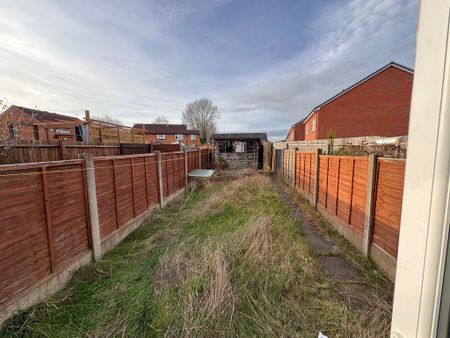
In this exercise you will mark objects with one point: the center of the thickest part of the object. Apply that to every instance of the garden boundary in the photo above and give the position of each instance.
(361, 196)
(57, 216)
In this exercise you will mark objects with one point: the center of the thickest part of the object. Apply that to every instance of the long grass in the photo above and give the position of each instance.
(226, 261)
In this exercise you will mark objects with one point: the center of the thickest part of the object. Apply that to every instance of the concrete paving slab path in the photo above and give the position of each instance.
(348, 279)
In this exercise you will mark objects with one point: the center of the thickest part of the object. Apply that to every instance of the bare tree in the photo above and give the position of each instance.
(202, 115)
(3, 104)
(161, 120)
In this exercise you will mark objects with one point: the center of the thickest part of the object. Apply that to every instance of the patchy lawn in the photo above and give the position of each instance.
(226, 260)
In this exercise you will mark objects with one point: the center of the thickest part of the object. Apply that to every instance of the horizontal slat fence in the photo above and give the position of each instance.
(54, 151)
(45, 219)
(166, 148)
(343, 186)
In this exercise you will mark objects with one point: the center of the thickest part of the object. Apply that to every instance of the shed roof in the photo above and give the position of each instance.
(241, 136)
(45, 116)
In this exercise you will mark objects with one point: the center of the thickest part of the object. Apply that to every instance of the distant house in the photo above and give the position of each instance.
(20, 123)
(169, 133)
(377, 105)
(240, 150)
(297, 132)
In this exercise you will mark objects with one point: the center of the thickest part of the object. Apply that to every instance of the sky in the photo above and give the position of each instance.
(265, 64)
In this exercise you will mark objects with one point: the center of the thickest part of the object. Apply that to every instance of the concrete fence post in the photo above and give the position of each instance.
(93, 208)
(186, 180)
(318, 152)
(160, 178)
(200, 159)
(370, 203)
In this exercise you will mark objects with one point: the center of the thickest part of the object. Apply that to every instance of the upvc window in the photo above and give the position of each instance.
(314, 125)
(160, 137)
(193, 137)
(179, 137)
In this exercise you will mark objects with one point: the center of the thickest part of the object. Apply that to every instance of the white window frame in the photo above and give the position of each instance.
(424, 225)
(160, 136)
(307, 129)
(179, 137)
(313, 128)
(193, 137)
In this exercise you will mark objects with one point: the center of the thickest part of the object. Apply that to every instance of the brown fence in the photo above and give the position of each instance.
(361, 196)
(388, 204)
(48, 224)
(102, 132)
(29, 153)
(166, 148)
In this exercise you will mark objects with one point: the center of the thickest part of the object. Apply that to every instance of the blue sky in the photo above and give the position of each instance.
(264, 63)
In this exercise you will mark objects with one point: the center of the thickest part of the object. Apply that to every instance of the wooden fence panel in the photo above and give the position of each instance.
(345, 184)
(358, 206)
(24, 248)
(192, 162)
(305, 166)
(152, 180)
(44, 210)
(74, 151)
(165, 174)
(323, 180)
(125, 202)
(67, 199)
(388, 204)
(105, 181)
(166, 148)
(205, 158)
(332, 191)
(140, 191)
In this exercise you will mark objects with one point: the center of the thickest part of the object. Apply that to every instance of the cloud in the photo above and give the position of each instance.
(349, 43)
(139, 59)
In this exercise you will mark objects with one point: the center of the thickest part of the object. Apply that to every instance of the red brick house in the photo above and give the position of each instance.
(20, 123)
(169, 133)
(377, 105)
(297, 132)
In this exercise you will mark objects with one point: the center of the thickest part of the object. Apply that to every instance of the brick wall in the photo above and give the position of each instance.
(297, 133)
(379, 106)
(311, 134)
(170, 138)
(24, 125)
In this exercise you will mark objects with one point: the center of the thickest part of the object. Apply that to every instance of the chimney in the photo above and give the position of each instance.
(87, 115)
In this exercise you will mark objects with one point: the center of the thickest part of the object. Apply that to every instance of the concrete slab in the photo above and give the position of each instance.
(339, 268)
(348, 280)
(321, 245)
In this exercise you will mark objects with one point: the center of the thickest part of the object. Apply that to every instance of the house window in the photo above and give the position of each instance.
(160, 137)
(307, 129)
(314, 125)
(193, 137)
(12, 129)
(64, 131)
(36, 132)
(179, 137)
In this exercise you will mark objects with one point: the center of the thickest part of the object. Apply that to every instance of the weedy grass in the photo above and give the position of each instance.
(225, 261)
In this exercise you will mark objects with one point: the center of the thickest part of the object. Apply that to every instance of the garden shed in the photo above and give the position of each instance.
(240, 150)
